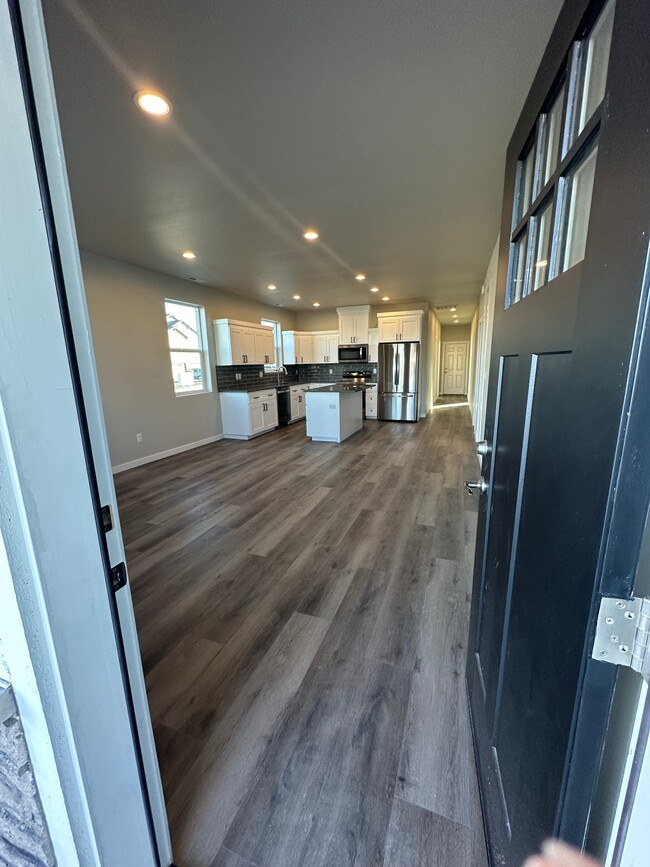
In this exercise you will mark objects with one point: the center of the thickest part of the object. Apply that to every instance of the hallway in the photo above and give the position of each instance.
(302, 610)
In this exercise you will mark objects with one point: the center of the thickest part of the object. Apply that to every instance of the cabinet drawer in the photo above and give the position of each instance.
(257, 396)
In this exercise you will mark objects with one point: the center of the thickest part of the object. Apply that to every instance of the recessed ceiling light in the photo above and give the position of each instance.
(271, 286)
(316, 304)
(310, 235)
(188, 254)
(385, 298)
(296, 297)
(453, 308)
(374, 289)
(360, 277)
(152, 103)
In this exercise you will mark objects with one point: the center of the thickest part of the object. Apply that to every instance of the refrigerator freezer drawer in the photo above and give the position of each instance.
(397, 407)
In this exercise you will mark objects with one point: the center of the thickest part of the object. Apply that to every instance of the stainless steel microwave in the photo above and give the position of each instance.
(354, 352)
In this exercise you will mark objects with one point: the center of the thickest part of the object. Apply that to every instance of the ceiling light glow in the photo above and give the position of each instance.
(453, 308)
(153, 103)
(316, 304)
(385, 298)
(296, 297)
(360, 277)
(374, 289)
(310, 235)
(271, 286)
(188, 254)
(542, 263)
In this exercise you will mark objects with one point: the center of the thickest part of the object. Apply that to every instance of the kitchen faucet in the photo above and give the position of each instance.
(282, 369)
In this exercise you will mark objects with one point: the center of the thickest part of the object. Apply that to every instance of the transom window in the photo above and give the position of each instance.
(186, 336)
(555, 173)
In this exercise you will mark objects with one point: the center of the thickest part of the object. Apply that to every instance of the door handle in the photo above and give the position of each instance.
(482, 448)
(480, 485)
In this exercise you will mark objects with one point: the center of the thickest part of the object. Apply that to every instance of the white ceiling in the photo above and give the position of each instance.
(381, 123)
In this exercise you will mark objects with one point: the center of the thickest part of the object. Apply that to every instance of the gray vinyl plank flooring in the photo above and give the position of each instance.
(302, 610)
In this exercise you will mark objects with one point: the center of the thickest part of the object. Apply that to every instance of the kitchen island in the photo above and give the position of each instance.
(334, 412)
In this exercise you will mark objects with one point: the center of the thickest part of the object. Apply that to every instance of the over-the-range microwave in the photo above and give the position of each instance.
(354, 352)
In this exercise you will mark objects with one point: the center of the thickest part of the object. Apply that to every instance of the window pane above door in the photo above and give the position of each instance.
(518, 269)
(577, 205)
(553, 134)
(596, 60)
(542, 249)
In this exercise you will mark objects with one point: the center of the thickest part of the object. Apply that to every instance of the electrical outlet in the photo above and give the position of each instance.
(261, 374)
(138, 438)
(238, 376)
(331, 371)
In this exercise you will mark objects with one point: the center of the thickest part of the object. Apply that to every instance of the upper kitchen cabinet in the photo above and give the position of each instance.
(243, 342)
(326, 347)
(373, 344)
(298, 347)
(406, 325)
(353, 324)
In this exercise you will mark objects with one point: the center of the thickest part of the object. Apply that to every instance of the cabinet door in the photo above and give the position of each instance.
(289, 348)
(264, 347)
(320, 349)
(347, 328)
(305, 349)
(361, 328)
(410, 328)
(256, 416)
(388, 330)
(271, 414)
(295, 406)
(373, 344)
(332, 353)
(237, 344)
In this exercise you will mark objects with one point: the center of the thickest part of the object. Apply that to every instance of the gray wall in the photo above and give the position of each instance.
(127, 318)
(456, 332)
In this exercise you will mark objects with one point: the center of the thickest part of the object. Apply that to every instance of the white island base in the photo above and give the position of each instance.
(333, 415)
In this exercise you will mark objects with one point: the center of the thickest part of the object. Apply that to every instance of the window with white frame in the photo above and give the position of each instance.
(187, 339)
(277, 342)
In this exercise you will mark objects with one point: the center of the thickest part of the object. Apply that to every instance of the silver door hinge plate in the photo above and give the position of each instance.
(623, 633)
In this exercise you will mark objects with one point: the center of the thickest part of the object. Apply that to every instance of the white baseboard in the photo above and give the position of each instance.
(138, 462)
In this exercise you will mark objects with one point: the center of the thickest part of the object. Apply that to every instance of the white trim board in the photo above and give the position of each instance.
(157, 456)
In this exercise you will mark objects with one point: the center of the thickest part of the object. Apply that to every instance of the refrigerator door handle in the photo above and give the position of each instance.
(397, 368)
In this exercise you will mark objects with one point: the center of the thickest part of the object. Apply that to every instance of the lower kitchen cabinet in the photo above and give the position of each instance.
(245, 415)
(371, 402)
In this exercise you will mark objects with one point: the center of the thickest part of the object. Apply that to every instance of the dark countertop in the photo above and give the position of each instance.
(338, 388)
(246, 389)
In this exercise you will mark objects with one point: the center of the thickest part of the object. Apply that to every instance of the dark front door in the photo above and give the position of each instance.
(568, 463)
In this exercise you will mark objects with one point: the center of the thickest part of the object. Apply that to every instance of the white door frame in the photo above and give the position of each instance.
(442, 364)
(55, 464)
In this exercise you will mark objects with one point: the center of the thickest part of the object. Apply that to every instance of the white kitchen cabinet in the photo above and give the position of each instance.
(265, 345)
(298, 401)
(406, 325)
(373, 344)
(297, 347)
(325, 347)
(371, 402)
(243, 342)
(353, 324)
(246, 415)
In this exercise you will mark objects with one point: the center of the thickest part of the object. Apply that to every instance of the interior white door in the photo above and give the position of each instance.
(454, 378)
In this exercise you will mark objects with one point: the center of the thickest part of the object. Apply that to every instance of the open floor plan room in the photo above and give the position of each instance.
(302, 612)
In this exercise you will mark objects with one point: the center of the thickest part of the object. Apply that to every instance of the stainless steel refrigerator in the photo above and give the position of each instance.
(398, 373)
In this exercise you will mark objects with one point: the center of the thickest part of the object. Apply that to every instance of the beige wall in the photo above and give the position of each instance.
(317, 320)
(456, 332)
(127, 319)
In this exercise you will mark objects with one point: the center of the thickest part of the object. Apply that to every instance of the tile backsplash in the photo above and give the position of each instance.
(250, 374)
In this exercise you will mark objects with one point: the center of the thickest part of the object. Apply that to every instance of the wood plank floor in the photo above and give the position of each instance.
(303, 610)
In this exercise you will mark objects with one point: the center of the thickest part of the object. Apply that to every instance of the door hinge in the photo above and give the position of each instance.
(623, 633)
(118, 577)
(106, 514)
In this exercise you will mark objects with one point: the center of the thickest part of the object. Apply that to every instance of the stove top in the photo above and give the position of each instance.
(356, 376)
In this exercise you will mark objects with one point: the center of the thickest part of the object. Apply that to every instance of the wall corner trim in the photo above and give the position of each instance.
(157, 456)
